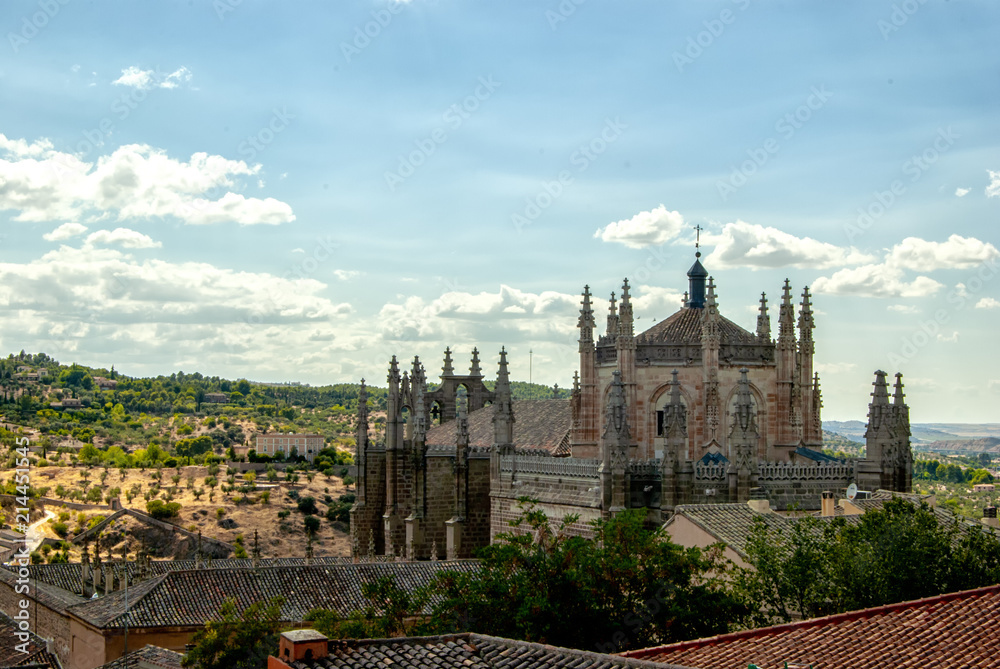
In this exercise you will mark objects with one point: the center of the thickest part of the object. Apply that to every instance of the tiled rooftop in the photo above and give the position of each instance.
(68, 576)
(463, 651)
(538, 424)
(11, 656)
(684, 327)
(147, 657)
(189, 598)
(732, 523)
(954, 630)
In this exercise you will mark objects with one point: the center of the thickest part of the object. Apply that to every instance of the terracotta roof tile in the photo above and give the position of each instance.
(538, 425)
(957, 629)
(464, 651)
(190, 598)
(147, 657)
(11, 655)
(684, 327)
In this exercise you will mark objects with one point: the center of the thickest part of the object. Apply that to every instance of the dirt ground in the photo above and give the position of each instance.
(277, 537)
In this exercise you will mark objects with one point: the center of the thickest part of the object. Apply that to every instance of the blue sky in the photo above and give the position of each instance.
(298, 190)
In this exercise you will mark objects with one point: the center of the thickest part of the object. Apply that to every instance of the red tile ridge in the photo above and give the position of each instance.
(805, 624)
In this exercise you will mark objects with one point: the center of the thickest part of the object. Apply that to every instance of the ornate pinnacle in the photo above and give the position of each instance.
(763, 320)
(447, 370)
(576, 382)
(475, 370)
(897, 390)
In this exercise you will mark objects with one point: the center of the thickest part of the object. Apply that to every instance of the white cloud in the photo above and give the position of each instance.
(962, 192)
(743, 244)
(656, 302)
(143, 80)
(176, 78)
(957, 252)
(129, 239)
(345, 274)
(875, 281)
(133, 77)
(647, 228)
(487, 316)
(988, 303)
(993, 188)
(101, 304)
(903, 308)
(65, 231)
(835, 367)
(135, 181)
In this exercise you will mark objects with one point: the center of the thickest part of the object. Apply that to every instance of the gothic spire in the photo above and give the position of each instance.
(786, 319)
(613, 317)
(625, 321)
(448, 369)
(763, 320)
(475, 370)
(806, 323)
(879, 420)
(710, 325)
(901, 411)
(503, 410)
(586, 321)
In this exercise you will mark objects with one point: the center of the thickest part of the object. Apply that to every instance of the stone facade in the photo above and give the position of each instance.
(694, 410)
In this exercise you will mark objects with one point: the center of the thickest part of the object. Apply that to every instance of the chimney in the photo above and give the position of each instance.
(758, 500)
(299, 646)
(990, 517)
(827, 507)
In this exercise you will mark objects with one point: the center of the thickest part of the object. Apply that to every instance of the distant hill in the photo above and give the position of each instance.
(964, 446)
(851, 429)
(922, 434)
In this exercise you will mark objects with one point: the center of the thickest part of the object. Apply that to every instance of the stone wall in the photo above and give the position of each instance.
(48, 617)
(477, 523)
(366, 514)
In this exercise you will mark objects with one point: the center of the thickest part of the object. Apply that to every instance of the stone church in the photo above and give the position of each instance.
(695, 409)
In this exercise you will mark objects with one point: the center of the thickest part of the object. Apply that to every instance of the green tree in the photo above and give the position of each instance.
(628, 587)
(235, 639)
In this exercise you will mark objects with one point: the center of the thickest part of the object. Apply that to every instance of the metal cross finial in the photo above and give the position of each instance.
(697, 240)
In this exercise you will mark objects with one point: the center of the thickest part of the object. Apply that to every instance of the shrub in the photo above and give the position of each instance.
(162, 510)
(311, 524)
(307, 505)
(60, 528)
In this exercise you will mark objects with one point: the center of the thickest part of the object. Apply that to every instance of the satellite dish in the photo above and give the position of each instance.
(852, 491)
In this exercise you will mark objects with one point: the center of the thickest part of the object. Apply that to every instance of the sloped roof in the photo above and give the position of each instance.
(684, 327)
(954, 630)
(730, 523)
(11, 656)
(68, 576)
(147, 657)
(190, 598)
(538, 425)
(464, 651)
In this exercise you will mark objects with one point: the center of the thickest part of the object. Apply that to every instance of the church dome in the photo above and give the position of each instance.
(684, 327)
